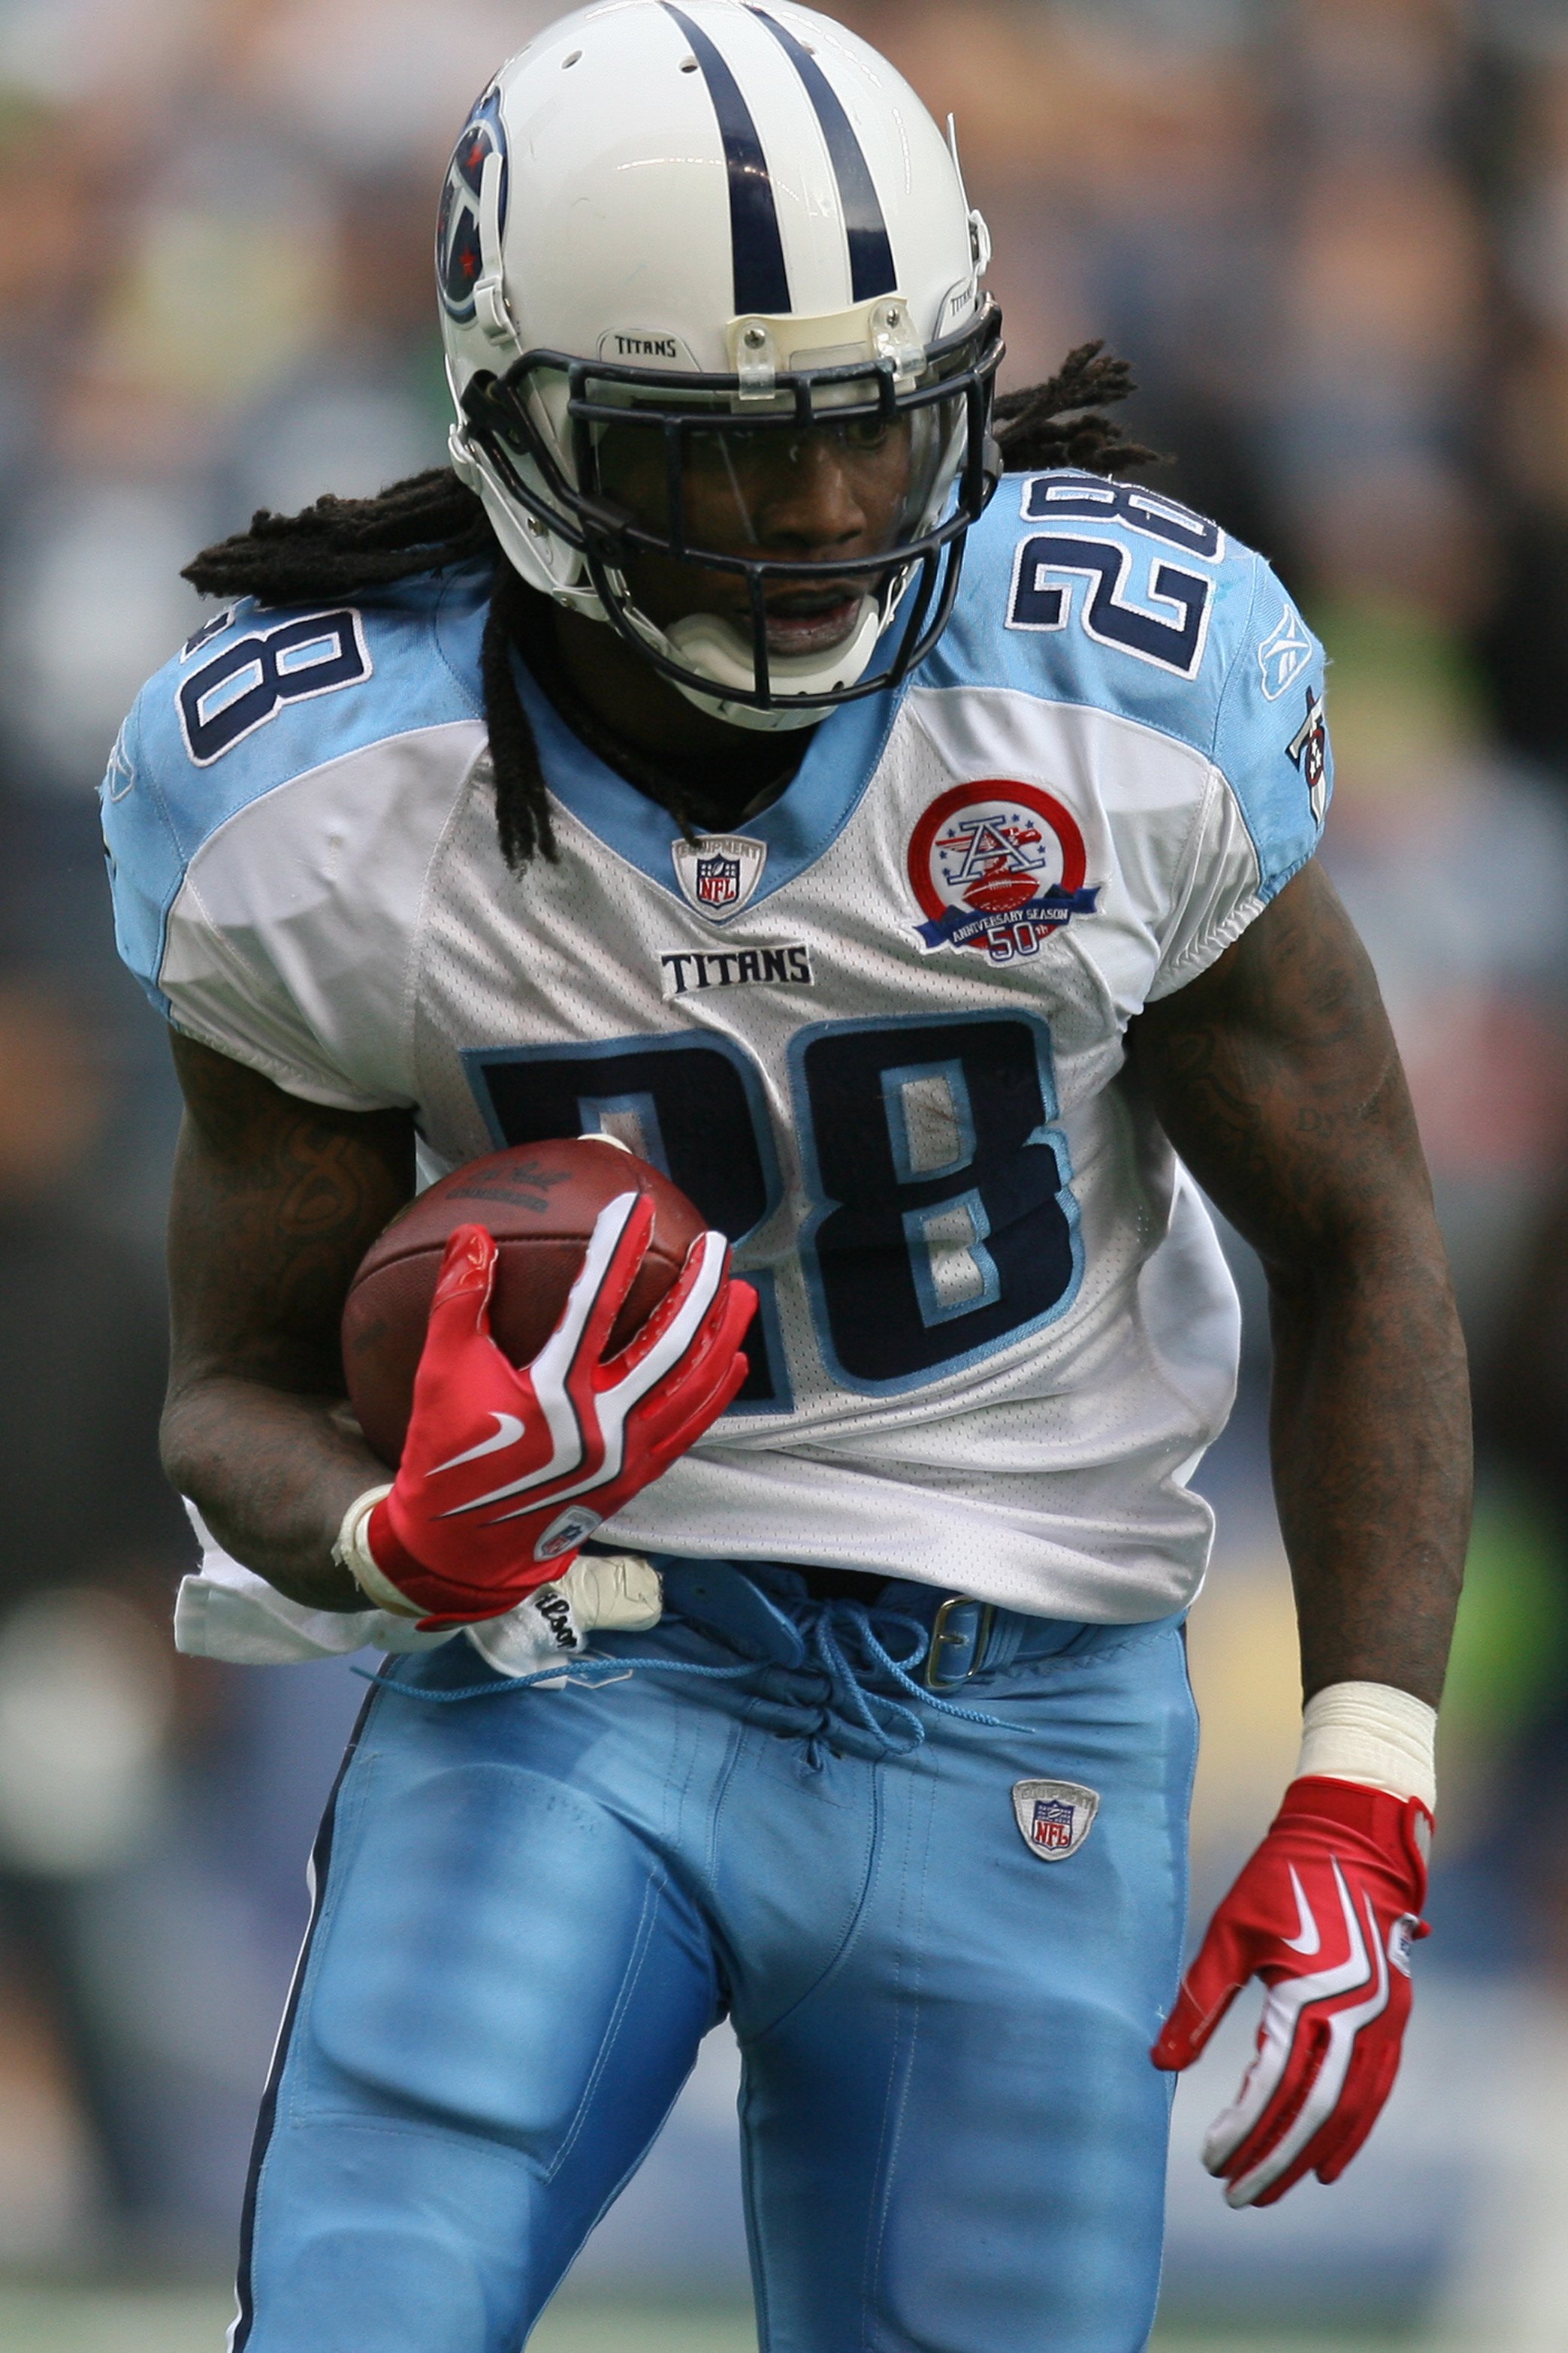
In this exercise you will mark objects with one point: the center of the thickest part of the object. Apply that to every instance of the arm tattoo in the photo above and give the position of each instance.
(1277, 1077)
(274, 1203)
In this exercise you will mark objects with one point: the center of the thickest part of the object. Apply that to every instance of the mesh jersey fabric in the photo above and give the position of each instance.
(996, 1330)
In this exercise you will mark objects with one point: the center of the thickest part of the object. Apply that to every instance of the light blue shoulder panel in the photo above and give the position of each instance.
(1087, 591)
(261, 695)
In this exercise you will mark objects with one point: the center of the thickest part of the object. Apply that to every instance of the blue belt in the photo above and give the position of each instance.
(748, 1604)
(834, 1667)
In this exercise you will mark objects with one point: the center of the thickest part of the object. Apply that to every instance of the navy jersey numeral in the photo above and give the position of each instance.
(249, 682)
(1091, 497)
(692, 1107)
(942, 1225)
(1173, 639)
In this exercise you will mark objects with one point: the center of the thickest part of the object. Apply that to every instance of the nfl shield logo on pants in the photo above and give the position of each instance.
(1054, 1817)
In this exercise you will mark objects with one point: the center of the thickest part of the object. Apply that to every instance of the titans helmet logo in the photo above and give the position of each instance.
(458, 257)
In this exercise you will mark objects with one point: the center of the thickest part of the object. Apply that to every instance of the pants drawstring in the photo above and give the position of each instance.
(832, 1630)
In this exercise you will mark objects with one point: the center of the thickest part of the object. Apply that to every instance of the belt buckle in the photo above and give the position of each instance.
(940, 1638)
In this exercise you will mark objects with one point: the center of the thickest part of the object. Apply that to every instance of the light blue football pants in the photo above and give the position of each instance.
(531, 1905)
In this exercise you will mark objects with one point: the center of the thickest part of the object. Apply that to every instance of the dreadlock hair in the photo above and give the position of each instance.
(432, 522)
(340, 547)
(1061, 422)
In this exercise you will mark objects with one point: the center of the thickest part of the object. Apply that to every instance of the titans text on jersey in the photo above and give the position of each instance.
(876, 1035)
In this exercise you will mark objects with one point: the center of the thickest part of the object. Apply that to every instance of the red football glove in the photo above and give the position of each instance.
(1325, 1913)
(504, 1472)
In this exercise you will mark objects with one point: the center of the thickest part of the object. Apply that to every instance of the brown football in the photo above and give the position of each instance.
(540, 1201)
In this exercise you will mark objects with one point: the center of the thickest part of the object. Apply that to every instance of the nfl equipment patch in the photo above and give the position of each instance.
(719, 874)
(1054, 1817)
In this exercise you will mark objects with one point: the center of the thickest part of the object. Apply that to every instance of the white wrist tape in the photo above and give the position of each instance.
(617, 1591)
(352, 1551)
(1372, 1733)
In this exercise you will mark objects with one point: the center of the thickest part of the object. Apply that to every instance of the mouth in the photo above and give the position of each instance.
(803, 621)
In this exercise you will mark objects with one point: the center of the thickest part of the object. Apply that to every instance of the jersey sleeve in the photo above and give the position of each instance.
(211, 984)
(272, 810)
(1269, 788)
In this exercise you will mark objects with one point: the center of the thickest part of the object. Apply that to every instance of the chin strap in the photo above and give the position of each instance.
(491, 306)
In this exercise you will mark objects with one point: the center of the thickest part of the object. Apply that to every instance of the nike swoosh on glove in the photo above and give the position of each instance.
(506, 1470)
(1325, 1913)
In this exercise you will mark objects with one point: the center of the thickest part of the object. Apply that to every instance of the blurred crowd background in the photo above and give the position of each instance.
(1332, 238)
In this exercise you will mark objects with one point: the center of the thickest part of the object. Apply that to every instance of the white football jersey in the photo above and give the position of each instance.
(876, 1034)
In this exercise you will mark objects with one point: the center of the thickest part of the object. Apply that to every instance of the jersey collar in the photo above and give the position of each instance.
(843, 754)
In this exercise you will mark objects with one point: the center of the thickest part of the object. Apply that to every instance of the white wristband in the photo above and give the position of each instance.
(1372, 1733)
(353, 1552)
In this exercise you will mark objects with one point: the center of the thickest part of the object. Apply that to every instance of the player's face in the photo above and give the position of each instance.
(837, 493)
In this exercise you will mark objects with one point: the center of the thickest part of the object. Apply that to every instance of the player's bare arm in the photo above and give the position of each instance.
(1277, 1077)
(274, 1203)
(446, 753)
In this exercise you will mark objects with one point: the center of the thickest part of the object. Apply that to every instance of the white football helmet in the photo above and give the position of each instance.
(685, 231)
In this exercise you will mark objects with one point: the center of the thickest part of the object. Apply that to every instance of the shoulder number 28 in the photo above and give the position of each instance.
(1169, 626)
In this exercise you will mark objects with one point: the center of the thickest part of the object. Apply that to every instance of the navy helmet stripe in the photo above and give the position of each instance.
(762, 282)
(871, 268)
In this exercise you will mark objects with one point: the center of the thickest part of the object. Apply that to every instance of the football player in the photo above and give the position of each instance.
(656, 772)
